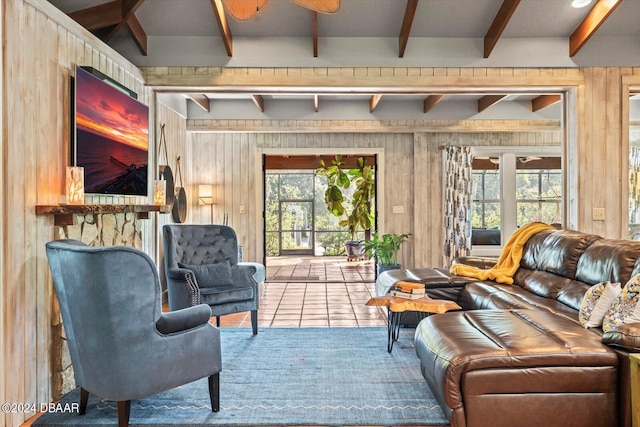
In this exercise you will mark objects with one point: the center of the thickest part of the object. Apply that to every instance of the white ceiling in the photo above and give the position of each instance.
(365, 33)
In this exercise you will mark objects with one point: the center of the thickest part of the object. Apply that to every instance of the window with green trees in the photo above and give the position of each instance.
(514, 190)
(285, 222)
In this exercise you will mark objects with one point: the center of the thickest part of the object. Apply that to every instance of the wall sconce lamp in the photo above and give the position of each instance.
(74, 185)
(206, 195)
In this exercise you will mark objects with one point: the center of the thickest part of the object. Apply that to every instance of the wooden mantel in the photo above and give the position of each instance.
(63, 214)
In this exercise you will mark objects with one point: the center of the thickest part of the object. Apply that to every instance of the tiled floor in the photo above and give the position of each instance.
(315, 291)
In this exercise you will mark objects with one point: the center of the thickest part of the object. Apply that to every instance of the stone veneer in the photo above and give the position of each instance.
(94, 230)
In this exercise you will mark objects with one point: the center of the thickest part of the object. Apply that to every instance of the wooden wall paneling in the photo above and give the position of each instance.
(217, 149)
(15, 297)
(29, 264)
(43, 148)
(585, 151)
(421, 214)
(35, 94)
(255, 198)
(613, 154)
(228, 177)
(3, 140)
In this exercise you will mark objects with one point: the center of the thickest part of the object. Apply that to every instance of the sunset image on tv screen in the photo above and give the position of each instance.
(112, 137)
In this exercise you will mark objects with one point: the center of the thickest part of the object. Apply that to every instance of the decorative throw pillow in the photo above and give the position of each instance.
(623, 310)
(610, 293)
(589, 302)
(211, 275)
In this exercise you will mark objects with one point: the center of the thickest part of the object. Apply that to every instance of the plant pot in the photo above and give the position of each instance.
(354, 249)
(382, 268)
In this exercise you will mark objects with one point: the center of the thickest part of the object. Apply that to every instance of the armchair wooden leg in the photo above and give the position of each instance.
(84, 398)
(254, 321)
(214, 392)
(124, 410)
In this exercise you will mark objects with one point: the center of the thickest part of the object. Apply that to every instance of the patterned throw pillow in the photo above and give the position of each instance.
(589, 302)
(611, 292)
(623, 310)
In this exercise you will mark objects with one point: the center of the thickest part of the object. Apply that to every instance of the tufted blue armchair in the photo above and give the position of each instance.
(201, 266)
(122, 346)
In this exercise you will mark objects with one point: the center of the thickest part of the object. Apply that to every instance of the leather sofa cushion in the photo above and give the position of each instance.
(454, 344)
(624, 336)
(490, 295)
(608, 260)
(556, 252)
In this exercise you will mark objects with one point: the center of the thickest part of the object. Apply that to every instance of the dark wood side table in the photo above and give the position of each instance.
(396, 306)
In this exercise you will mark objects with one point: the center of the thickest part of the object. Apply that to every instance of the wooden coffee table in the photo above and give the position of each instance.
(396, 306)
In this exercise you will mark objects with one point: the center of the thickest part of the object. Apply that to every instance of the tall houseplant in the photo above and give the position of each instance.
(385, 249)
(362, 177)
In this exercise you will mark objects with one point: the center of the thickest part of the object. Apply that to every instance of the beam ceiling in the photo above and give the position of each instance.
(600, 12)
(499, 24)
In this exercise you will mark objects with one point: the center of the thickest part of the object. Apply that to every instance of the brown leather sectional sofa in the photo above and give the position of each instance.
(516, 355)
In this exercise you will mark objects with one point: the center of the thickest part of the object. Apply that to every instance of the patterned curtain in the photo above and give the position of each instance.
(457, 201)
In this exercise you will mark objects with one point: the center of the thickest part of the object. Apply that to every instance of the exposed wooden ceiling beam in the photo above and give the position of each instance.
(431, 101)
(316, 103)
(543, 101)
(259, 101)
(314, 32)
(223, 25)
(100, 16)
(489, 100)
(106, 19)
(373, 102)
(407, 22)
(201, 100)
(599, 13)
(138, 34)
(498, 25)
(128, 9)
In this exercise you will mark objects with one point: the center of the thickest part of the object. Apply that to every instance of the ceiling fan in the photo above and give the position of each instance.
(246, 9)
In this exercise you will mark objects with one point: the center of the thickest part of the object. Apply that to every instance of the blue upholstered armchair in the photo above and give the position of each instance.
(122, 346)
(201, 266)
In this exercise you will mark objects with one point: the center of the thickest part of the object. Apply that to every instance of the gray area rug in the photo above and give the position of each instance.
(289, 376)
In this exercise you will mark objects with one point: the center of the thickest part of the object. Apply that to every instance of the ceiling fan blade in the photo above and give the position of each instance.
(322, 6)
(243, 9)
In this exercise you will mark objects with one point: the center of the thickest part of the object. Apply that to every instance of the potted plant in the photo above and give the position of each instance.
(385, 250)
(360, 217)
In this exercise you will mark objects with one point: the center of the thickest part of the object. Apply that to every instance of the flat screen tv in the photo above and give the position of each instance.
(111, 137)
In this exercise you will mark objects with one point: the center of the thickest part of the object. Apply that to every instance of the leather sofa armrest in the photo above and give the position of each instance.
(181, 320)
(626, 336)
(480, 262)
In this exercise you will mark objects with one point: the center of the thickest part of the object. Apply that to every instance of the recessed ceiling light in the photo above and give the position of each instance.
(580, 3)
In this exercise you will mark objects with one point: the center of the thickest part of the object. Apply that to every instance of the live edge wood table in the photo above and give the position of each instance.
(396, 306)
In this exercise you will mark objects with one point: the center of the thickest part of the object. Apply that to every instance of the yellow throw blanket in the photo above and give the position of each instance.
(509, 260)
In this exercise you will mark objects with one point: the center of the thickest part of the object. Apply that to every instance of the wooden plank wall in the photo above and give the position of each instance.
(41, 48)
(177, 146)
(411, 170)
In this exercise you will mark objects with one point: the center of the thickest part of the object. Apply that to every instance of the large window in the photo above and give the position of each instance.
(511, 189)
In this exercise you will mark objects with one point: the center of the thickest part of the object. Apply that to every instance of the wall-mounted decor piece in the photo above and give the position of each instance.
(111, 137)
(164, 170)
(74, 184)
(179, 210)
